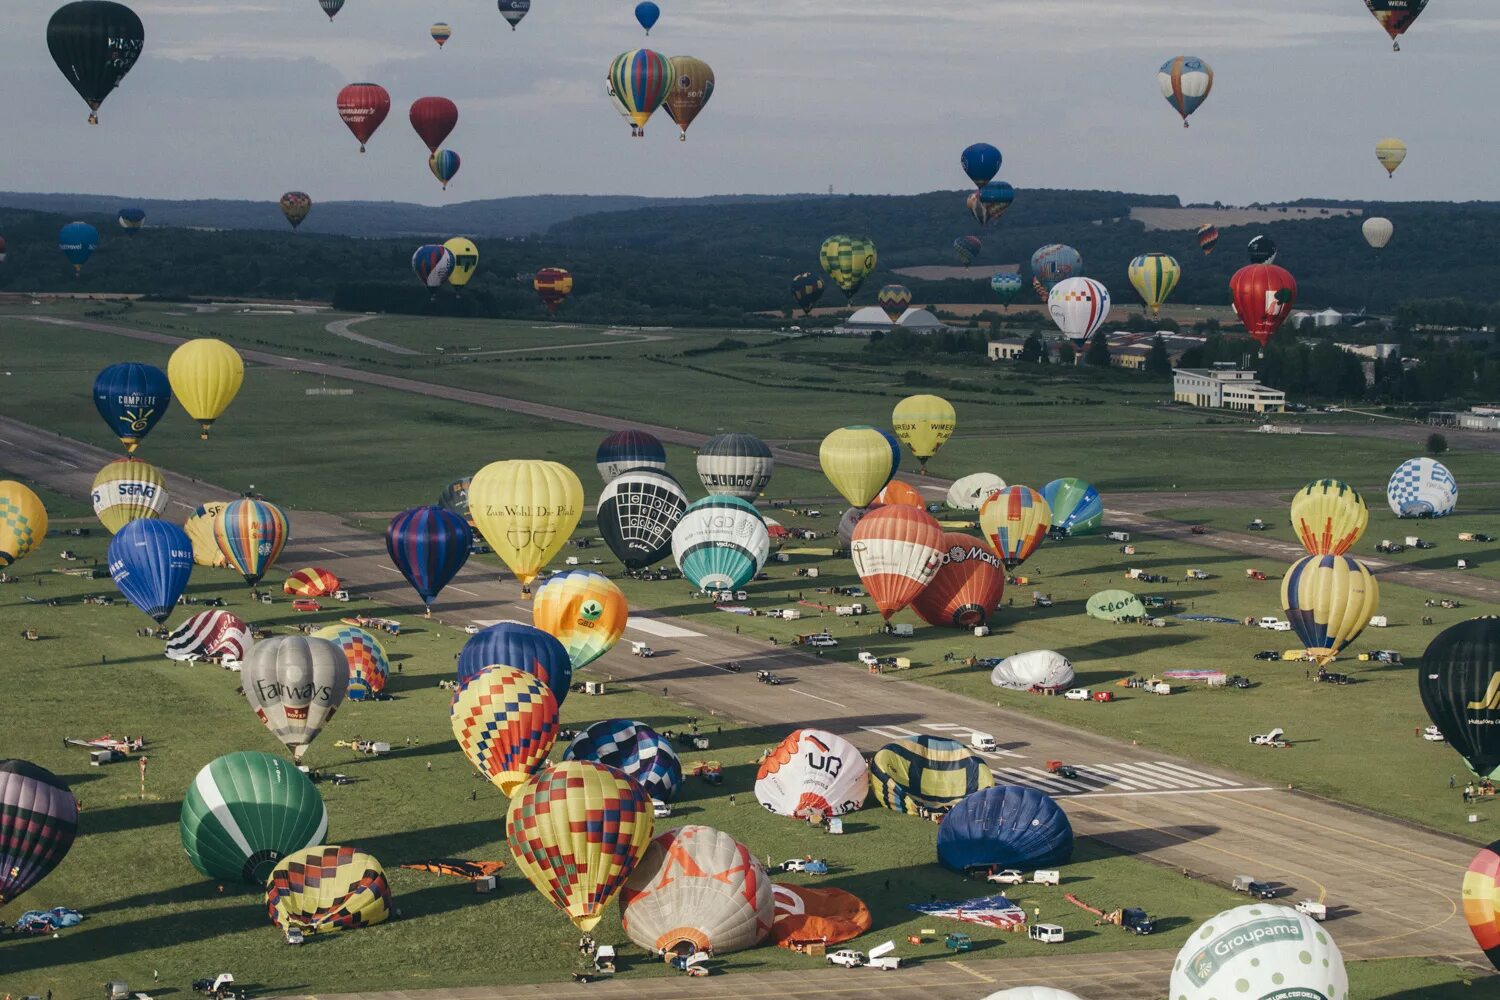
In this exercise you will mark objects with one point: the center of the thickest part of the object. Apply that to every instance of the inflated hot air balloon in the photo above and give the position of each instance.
(1263, 296)
(926, 775)
(251, 534)
(692, 87)
(1208, 238)
(812, 773)
(428, 545)
(1056, 262)
(128, 489)
(896, 552)
(924, 424)
(584, 611)
(313, 581)
(807, 289)
(206, 375)
(1185, 82)
(697, 889)
(576, 831)
(513, 11)
(552, 285)
(1422, 487)
(519, 647)
(894, 300)
(848, 260)
(1007, 286)
(640, 80)
(368, 665)
(94, 43)
(971, 491)
(967, 248)
(465, 260)
(897, 492)
(1014, 521)
(1377, 232)
(2, 250)
(1328, 517)
(331, 7)
(210, 635)
(131, 219)
(646, 14)
(1481, 895)
(38, 822)
(1391, 153)
(363, 106)
(200, 530)
(526, 510)
(295, 205)
(23, 522)
(1079, 307)
(444, 164)
(991, 201)
(433, 119)
(455, 497)
(633, 749)
(737, 465)
(1396, 16)
(440, 33)
(1033, 993)
(150, 562)
(1154, 275)
(246, 811)
(859, 461)
(295, 684)
(981, 162)
(967, 587)
(1328, 600)
(77, 241)
(1262, 951)
(1459, 682)
(637, 513)
(629, 449)
(1007, 826)
(323, 890)
(1075, 504)
(1262, 249)
(849, 521)
(432, 263)
(720, 543)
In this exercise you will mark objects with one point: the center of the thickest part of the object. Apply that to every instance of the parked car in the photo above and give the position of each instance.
(983, 742)
(1008, 877)
(471, 629)
(1077, 694)
(1137, 920)
(958, 942)
(1258, 525)
(1062, 770)
(1268, 654)
(660, 809)
(847, 957)
(822, 641)
(1432, 734)
(306, 604)
(1236, 681)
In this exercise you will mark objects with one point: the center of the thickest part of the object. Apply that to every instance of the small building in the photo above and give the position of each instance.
(1006, 349)
(872, 318)
(1225, 387)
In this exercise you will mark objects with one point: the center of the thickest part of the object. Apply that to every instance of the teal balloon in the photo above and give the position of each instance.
(721, 542)
(1076, 507)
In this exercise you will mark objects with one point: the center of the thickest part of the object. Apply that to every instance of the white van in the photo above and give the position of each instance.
(1046, 933)
(1119, 536)
(902, 629)
(983, 742)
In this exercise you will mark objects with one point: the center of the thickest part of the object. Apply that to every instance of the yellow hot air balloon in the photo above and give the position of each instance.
(1329, 601)
(859, 461)
(577, 831)
(586, 612)
(848, 261)
(526, 509)
(23, 521)
(127, 489)
(924, 424)
(1154, 275)
(1329, 516)
(1015, 520)
(465, 260)
(206, 375)
(1391, 153)
(322, 890)
(200, 530)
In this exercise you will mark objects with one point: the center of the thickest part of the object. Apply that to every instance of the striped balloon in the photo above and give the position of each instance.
(894, 300)
(1481, 895)
(629, 449)
(1329, 600)
(1185, 82)
(1208, 238)
(505, 722)
(327, 889)
(444, 164)
(926, 775)
(524, 647)
(251, 534)
(432, 264)
(429, 545)
(640, 80)
(38, 821)
(1006, 285)
(1014, 521)
(312, 581)
(245, 811)
(896, 551)
(721, 543)
(1154, 275)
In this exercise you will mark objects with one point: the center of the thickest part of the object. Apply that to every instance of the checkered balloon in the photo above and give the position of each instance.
(633, 748)
(505, 721)
(324, 889)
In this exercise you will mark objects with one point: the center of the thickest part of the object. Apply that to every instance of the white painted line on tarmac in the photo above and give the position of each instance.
(462, 590)
(1184, 791)
(324, 548)
(660, 629)
(830, 701)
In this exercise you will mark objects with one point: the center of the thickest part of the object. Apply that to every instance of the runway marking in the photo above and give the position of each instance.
(965, 969)
(819, 697)
(324, 548)
(1142, 777)
(1169, 791)
(463, 591)
(660, 629)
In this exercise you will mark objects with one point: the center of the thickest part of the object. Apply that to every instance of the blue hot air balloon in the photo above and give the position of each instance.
(647, 14)
(77, 241)
(429, 545)
(635, 749)
(981, 162)
(131, 220)
(131, 397)
(1006, 285)
(1076, 506)
(629, 449)
(1007, 826)
(528, 649)
(150, 561)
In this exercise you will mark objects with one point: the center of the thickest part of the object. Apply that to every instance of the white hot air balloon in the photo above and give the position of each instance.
(1079, 306)
(721, 543)
(739, 465)
(1378, 231)
(971, 491)
(1422, 487)
(1259, 950)
(1033, 993)
(697, 889)
(812, 773)
(295, 684)
(1040, 668)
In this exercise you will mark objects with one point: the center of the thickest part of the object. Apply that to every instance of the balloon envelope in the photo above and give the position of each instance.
(433, 119)
(200, 527)
(692, 87)
(313, 581)
(524, 647)
(1328, 516)
(363, 106)
(369, 667)
(1263, 296)
(251, 534)
(1481, 895)
(812, 773)
(552, 285)
(848, 260)
(1259, 951)
(1056, 262)
(1040, 669)
(1007, 826)
(926, 775)
(859, 461)
(967, 587)
(897, 551)
(971, 491)
(1459, 682)
(131, 398)
(526, 510)
(1185, 82)
(924, 423)
(126, 490)
(981, 162)
(629, 449)
(77, 241)
(1329, 600)
(737, 465)
(428, 545)
(95, 43)
(295, 684)
(697, 889)
(323, 890)
(38, 823)
(1075, 505)
(1014, 521)
(1154, 276)
(247, 810)
(295, 205)
(633, 749)
(637, 513)
(206, 375)
(1422, 487)
(720, 543)
(505, 722)
(150, 562)
(584, 611)
(807, 289)
(210, 635)
(1079, 307)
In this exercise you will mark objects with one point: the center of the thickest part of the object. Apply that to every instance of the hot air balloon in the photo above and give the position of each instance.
(553, 285)
(465, 260)
(428, 545)
(331, 7)
(807, 289)
(518, 647)
(576, 831)
(896, 551)
(1185, 82)
(433, 118)
(1033, 993)
(848, 260)
(1262, 249)
(637, 512)
(1391, 153)
(926, 775)
(38, 821)
(251, 534)
(1263, 296)
(1481, 894)
(1329, 517)
(295, 205)
(23, 522)
(131, 220)
(849, 521)
(526, 510)
(1006, 285)
(1396, 16)
(720, 543)
(737, 465)
(897, 492)
(131, 398)
(244, 812)
(150, 562)
(1422, 487)
(697, 889)
(1079, 307)
(323, 890)
(2, 250)
(640, 80)
(646, 14)
(1459, 682)
(633, 749)
(967, 248)
(971, 491)
(585, 611)
(629, 449)
(859, 461)
(809, 913)
(206, 375)
(440, 33)
(368, 665)
(981, 162)
(693, 86)
(1154, 275)
(1329, 600)
(455, 497)
(1259, 951)
(312, 581)
(127, 489)
(1075, 504)
(1115, 606)
(812, 773)
(1007, 826)
(200, 530)
(924, 423)
(295, 684)
(363, 106)
(1208, 238)
(210, 635)
(513, 11)
(1014, 521)
(1037, 670)
(77, 241)
(444, 165)
(1056, 262)
(1378, 232)
(967, 587)
(894, 300)
(991, 201)
(433, 263)
(94, 43)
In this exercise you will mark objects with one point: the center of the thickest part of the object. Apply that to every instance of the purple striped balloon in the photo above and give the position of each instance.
(429, 545)
(38, 821)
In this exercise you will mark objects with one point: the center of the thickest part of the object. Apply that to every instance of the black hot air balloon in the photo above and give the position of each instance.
(1262, 250)
(637, 512)
(1460, 685)
(38, 820)
(94, 43)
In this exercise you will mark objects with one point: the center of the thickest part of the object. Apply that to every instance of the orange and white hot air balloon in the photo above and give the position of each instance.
(897, 492)
(967, 588)
(896, 551)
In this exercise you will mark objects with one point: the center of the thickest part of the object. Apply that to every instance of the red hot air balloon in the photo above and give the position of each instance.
(363, 106)
(967, 587)
(1263, 298)
(896, 551)
(433, 118)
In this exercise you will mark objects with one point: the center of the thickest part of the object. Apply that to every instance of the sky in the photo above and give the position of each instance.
(236, 99)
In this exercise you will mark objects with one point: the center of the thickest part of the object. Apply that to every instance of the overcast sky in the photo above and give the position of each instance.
(235, 99)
